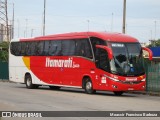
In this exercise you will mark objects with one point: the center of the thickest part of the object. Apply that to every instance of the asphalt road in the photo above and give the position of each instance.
(16, 97)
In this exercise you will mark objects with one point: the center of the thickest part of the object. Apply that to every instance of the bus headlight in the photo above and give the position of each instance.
(114, 79)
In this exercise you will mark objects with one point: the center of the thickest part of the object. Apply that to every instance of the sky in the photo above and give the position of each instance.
(142, 17)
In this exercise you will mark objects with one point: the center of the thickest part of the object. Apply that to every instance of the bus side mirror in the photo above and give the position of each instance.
(107, 49)
(149, 51)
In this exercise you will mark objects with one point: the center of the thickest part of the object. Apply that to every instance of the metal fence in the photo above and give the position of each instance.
(4, 75)
(153, 76)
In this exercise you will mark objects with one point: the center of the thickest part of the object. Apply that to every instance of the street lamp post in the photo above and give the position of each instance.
(124, 17)
(13, 23)
(112, 23)
(44, 18)
(32, 30)
(26, 28)
(88, 24)
(155, 29)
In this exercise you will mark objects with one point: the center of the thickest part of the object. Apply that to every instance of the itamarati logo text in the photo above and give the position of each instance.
(68, 63)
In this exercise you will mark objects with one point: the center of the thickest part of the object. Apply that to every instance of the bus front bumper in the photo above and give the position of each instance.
(127, 86)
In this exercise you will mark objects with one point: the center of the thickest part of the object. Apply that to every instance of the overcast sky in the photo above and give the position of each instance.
(143, 17)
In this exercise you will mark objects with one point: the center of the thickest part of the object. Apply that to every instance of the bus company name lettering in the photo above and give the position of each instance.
(68, 63)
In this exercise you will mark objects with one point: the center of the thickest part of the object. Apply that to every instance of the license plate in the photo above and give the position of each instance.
(130, 88)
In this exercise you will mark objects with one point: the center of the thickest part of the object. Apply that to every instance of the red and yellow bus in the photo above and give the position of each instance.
(89, 60)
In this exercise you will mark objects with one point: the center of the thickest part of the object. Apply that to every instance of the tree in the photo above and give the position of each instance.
(155, 43)
(4, 51)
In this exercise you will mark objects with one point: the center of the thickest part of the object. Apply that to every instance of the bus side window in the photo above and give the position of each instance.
(87, 49)
(32, 48)
(27, 48)
(23, 48)
(18, 49)
(46, 48)
(13, 48)
(55, 48)
(79, 50)
(83, 48)
(39, 48)
(68, 47)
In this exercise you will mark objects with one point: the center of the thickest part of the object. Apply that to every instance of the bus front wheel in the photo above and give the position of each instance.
(28, 82)
(88, 86)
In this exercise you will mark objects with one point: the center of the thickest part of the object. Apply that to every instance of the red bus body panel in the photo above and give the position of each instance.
(70, 70)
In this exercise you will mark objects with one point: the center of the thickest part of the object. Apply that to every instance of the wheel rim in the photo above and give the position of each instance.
(29, 82)
(88, 86)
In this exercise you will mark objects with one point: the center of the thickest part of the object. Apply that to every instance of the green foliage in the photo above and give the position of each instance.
(4, 51)
(155, 43)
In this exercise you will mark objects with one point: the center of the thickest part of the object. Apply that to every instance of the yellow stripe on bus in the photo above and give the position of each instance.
(26, 61)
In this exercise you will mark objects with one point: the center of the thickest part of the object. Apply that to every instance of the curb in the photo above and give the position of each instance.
(3, 80)
(146, 93)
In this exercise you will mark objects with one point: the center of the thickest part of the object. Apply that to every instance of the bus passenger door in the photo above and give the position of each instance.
(102, 63)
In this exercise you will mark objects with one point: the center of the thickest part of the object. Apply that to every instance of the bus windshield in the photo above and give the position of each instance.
(127, 59)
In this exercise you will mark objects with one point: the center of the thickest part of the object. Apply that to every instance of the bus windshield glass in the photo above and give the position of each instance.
(127, 59)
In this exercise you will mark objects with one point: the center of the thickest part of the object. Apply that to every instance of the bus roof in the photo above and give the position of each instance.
(113, 37)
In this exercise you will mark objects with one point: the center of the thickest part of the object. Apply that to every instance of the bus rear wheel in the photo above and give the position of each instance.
(118, 93)
(28, 82)
(88, 86)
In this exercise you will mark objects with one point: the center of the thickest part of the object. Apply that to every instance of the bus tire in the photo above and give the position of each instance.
(54, 87)
(118, 93)
(28, 82)
(88, 86)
